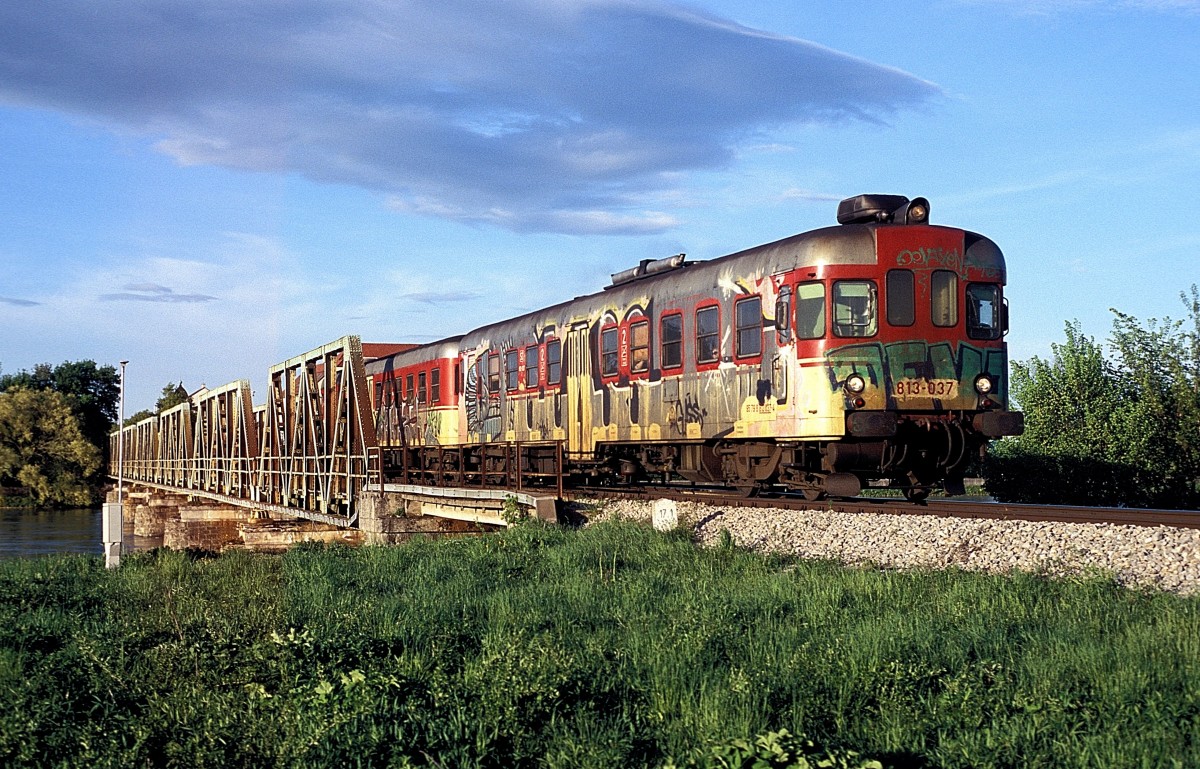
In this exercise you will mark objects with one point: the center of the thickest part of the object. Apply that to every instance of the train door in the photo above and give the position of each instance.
(778, 357)
(578, 373)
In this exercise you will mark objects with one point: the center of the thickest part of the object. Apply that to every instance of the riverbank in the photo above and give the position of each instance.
(610, 645)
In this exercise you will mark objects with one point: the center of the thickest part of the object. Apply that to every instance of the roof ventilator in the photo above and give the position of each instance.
(883, 209)
(648, 267)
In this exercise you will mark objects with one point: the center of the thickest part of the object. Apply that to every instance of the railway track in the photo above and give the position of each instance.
(950, 508)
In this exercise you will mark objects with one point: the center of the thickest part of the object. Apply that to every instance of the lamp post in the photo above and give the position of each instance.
(113, 523)
(121, 443)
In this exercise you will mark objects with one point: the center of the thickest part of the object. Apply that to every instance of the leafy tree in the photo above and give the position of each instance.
(43, 448)
(172, 395)
(136, 417)
(92, 391)
(1097, 431)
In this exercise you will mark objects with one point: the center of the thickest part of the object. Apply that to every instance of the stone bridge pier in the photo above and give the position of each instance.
(181, 521)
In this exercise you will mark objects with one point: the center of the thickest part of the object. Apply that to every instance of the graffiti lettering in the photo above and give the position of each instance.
(931, 257)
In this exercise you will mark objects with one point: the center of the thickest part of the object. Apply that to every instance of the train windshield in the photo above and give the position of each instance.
(983, 311)
(855, 311)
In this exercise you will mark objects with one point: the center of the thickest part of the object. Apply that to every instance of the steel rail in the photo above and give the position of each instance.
(948, 508)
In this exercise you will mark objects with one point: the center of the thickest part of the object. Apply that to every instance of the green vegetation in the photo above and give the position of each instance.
(92, 392)
(54, 425)
(172, 395)
(43, 449)
(1124, 431)
(609, 646)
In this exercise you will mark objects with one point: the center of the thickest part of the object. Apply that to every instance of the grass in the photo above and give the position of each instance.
(608, 646)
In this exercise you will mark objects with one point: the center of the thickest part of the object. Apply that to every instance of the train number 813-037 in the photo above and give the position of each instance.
(926, 388)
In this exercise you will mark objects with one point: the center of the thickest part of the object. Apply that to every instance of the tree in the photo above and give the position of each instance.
(172, 395)
(136, 417)
(92, 392)
(43, 448)
(1125, 431)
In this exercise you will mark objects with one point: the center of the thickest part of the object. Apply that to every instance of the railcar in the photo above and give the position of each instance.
(415, 395)
(868, 351)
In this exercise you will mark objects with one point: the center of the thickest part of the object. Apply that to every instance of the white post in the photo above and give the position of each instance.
(666, 514)
(113, 523)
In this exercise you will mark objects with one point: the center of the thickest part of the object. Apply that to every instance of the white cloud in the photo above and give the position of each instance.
(529, 114)
(156, 311)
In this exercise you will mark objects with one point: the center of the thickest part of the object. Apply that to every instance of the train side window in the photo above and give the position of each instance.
(421, 391)
(748, 314)
(458, 378)
(810, 310)
(493, 380)
(901, 298)
(408, 387)
(983, 311)
(670, 329)
(510, 370)
(608, 352)
(531, 366)
(708, 334)
(943, 289)
(639, 346)
(553, 363)
(435, 385)
(855, 308)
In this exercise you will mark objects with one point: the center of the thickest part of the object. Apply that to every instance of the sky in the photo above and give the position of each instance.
(206, 189)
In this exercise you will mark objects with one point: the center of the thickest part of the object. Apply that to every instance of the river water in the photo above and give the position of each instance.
(26, 532)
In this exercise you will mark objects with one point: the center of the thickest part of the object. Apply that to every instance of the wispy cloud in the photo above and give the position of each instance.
(152, 292)
(548, 115)
(442, 297)
(18, 302)
(795, 193)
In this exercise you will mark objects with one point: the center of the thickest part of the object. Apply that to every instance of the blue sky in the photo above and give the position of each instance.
(209, 188)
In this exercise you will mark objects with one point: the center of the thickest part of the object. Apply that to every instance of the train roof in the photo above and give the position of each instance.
(844, 244)
(415, 355)
(852, 241)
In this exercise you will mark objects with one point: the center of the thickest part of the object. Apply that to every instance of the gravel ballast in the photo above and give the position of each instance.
(1161, 557)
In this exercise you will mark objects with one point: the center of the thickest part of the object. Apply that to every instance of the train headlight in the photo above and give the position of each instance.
(855, 384)
(983, 384)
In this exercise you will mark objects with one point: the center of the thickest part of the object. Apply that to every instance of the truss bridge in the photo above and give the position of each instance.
(310, 451)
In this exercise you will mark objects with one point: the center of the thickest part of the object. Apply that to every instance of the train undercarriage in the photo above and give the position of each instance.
(915, 454)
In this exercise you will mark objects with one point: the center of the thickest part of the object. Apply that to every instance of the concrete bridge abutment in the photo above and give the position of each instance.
(384, 515)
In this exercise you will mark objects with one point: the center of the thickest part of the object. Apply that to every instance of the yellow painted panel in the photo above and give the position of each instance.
(535, 435)
(693, 429)
(635, 432)
(655, 432)
(612, 432)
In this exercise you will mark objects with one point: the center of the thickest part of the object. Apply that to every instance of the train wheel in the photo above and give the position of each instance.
(917, 490)
(746, 490)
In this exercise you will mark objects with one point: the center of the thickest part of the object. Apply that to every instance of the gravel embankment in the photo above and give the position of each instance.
(1162, 558)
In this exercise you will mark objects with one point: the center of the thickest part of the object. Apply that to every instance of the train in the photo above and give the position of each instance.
(870, 352)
